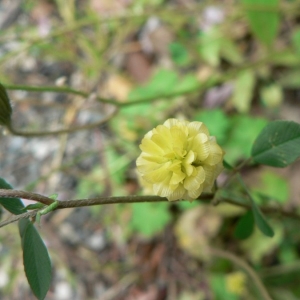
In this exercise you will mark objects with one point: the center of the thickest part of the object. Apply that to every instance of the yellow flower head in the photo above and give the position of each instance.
(236, 283)
(179, 160)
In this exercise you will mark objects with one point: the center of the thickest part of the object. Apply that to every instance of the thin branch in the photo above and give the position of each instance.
(25, 195)
(58, 89)
(14, 131)
(125, 199)
(15, 218)
(242, 264)
(149, 99)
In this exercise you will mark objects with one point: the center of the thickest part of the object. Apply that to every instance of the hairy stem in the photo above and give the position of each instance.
(122, 199)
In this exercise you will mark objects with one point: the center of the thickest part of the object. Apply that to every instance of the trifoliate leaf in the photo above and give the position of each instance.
(278, 144)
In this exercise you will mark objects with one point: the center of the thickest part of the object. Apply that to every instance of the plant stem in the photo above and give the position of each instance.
(122, 199)
(58, 89)
(243, 265)
(14, 131)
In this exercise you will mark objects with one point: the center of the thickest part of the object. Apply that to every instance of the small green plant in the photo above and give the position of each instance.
(179, 162)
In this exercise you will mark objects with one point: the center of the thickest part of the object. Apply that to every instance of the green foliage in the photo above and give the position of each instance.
(186, 83)
(244, 130)
(5, 107)
(185, 205)
(228, 55)
(227, 165)
(243, 91)
(263, 16)
(278, 144)
(210, 46)
(290, 79)
(117, 164)
(271, 95)
(245, 226)
(94, 182)
(135, 121)
(217, 123)
(288, 253)
(214, 45)
(296, 40)
(162, 82)
(272, 187)
(256, 246)
(179, 54)
(260, 220)
(35, 255)
(218, 285)
(13, 205)
(91, 183)
(36, 259)
(149, 218)
(230, 51)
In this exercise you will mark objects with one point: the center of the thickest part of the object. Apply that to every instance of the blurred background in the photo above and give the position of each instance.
(233, 65)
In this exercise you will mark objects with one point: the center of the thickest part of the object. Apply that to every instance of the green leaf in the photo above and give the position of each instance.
(271, 187)
(243, 91)
(241, 137)
(36, 259)
(245, 226)
(210, 46)
(278, 144)
(179, 54)
(263, 16)
(227, 165)
(149, 218)
(13, 205)
(260, 220)
(5, 107)
(230, 51)
(186, 83)
(217, 123)
(162, 82)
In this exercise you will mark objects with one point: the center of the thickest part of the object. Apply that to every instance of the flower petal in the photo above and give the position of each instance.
(197, 127)
(215, 154)
(194, 182)
(194, 194)
(148, 146)
(177, 194)
(159, 174)
(200, 145)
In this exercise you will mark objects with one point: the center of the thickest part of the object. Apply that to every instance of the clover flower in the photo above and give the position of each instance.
(179, 160)
(236, 283)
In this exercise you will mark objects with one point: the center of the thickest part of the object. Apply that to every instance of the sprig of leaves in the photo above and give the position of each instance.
(37, 264)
